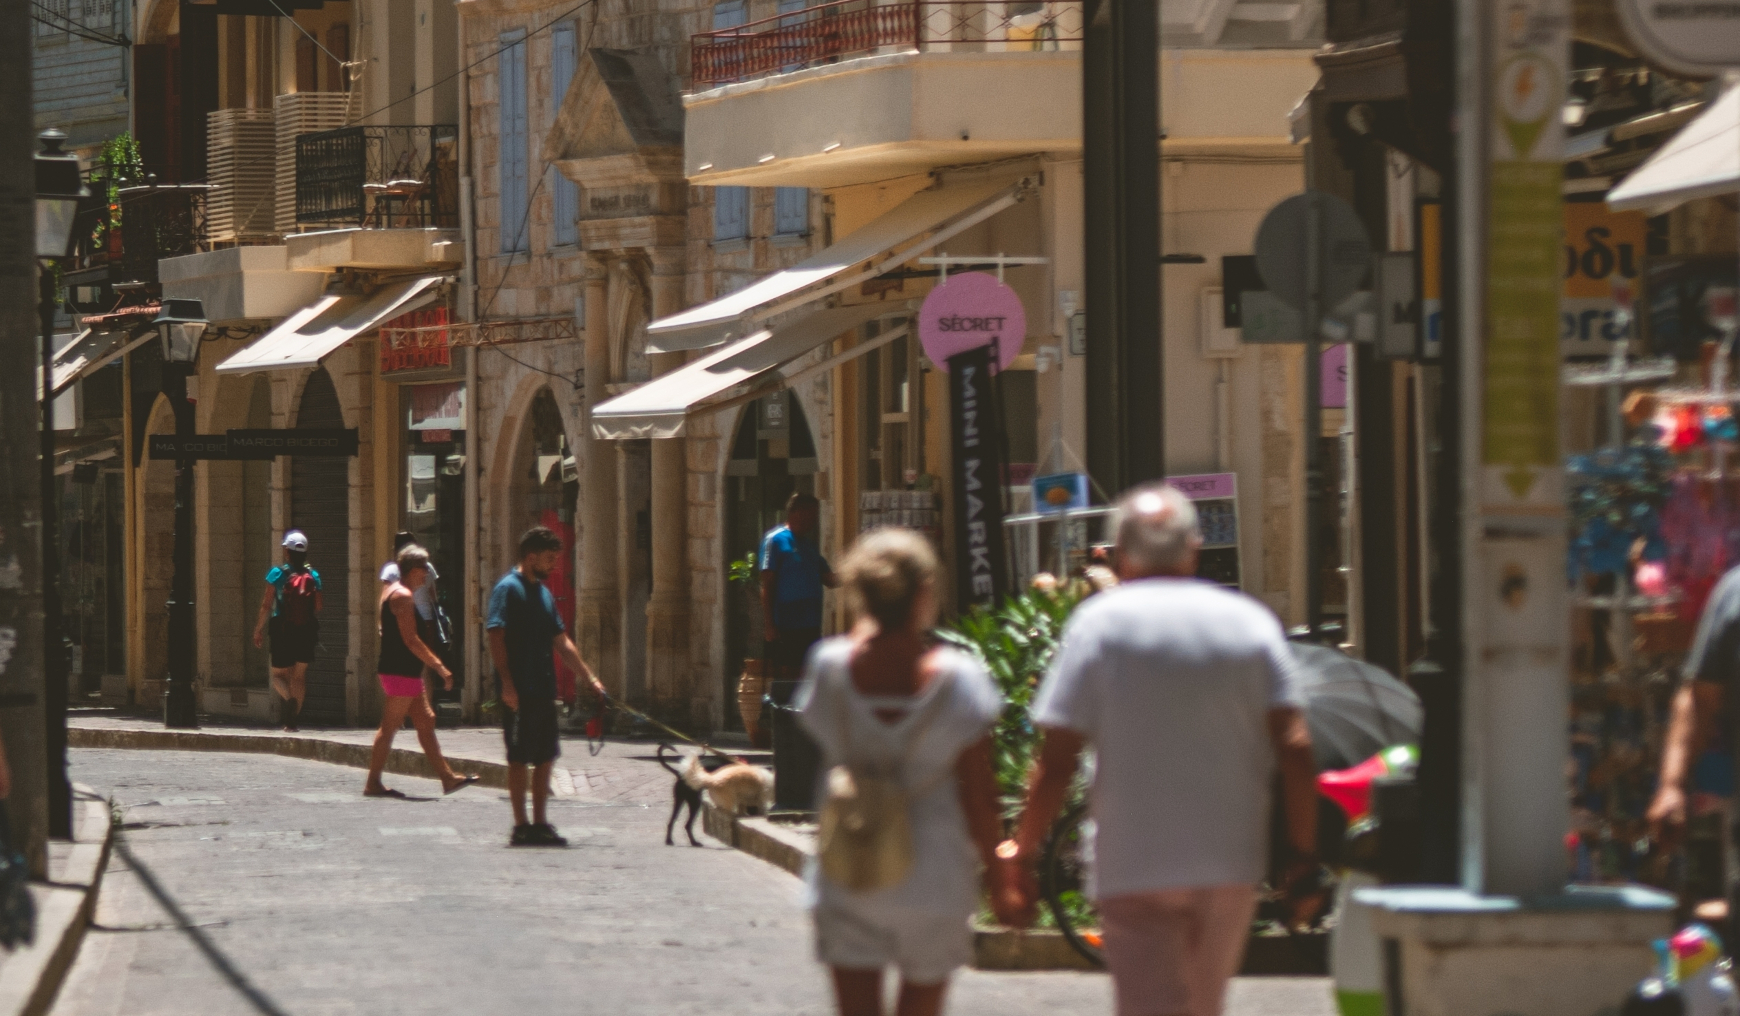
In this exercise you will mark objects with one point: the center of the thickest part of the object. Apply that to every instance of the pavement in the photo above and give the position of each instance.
(317, 900)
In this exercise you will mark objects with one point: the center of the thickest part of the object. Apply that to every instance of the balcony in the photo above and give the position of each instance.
(830, 32)
(378, 178)
(119, 245)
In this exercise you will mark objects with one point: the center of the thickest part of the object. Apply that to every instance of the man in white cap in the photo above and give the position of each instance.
(291, 607)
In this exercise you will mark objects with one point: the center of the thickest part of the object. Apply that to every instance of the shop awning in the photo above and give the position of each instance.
(660, 407)
(91, 351)
(912, 227)
(316, 331)
(1702, 160)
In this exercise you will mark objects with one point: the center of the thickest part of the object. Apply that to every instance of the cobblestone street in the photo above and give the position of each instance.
(327, 902)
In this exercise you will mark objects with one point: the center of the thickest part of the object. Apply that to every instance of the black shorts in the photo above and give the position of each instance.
(530, 731)
(292, 644)
(792, 646)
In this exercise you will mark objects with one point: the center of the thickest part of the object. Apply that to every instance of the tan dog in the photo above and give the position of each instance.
(736, 789)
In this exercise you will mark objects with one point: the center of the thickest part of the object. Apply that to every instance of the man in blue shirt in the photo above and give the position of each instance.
(525, 633)
(793, 574)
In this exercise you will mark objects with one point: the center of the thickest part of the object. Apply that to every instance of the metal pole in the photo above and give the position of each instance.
(179, 707)
(1313, 415)
(53, 643)
(21, 655)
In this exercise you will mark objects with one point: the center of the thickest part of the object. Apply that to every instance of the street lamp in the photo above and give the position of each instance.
(59, 189)
(180, 324)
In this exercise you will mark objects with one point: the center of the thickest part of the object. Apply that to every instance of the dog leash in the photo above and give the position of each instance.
(644, 718)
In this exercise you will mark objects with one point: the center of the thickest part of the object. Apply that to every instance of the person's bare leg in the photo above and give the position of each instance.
(858, 992)
(299, 685)
(281, 681)
(423, 719)
(540, 791)
(920, 999)
(392, 718)
(517, 791)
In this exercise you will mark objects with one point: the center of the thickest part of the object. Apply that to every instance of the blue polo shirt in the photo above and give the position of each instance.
(798, 566)
(524, 609)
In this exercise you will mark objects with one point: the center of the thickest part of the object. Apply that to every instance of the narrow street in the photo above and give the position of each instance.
(327, 902)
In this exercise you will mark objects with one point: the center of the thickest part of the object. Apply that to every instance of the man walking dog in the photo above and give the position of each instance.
(525, 633)
(1189, 695)
(291, 608)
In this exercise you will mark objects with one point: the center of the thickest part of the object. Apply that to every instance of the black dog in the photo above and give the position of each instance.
(682, 793)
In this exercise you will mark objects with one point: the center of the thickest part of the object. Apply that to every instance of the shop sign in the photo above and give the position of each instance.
(1603, 252)
(1697, 38)
(1060, 492)
(416, 341)
(1429, 237)
(1333, 365)
(256, 444)
(437, 408)
(981, 566)
(969, 311)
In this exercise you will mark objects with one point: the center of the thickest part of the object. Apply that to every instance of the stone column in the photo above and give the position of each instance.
(669, 675)
(600, 601)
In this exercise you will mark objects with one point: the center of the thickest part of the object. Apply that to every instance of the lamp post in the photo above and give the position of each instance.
(59, 189)
(179, 327)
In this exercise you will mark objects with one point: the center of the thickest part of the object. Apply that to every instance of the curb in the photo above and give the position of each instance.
(31, 976)
(790, 850)
(401, 762)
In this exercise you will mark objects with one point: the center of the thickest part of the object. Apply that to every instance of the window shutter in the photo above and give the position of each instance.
(730, 213)
(563, 61)
(791, 211)
(511, 164)
(730, 14)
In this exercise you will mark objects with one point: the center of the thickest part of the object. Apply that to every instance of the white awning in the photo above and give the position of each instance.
(314, 332)
(660, 407)
(1701, 161)
(89, 352)
(912, 227)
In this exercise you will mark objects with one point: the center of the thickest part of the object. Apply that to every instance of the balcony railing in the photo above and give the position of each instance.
(833, 31)
(378, 177)
(120, 244)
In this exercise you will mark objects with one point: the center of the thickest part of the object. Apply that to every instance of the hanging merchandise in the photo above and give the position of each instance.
(1616, 500)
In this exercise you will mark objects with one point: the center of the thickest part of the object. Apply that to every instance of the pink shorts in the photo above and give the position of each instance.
(401, 687)
(1173, 950)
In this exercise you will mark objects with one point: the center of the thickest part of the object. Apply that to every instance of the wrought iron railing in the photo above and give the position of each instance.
(378, 177)
(144, 224)
(833, 31)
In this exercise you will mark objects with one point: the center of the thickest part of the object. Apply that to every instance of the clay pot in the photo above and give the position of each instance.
(750, 687)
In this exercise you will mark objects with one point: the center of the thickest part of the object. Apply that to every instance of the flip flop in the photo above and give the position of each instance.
(464, 781)
(385, 792)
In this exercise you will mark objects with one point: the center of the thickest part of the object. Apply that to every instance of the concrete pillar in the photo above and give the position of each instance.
(669, 675)
(600, 602)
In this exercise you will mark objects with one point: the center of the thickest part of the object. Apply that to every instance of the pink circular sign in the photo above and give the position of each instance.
(968, 311)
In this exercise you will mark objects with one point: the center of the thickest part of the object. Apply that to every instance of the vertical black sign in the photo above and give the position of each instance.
(981, 568)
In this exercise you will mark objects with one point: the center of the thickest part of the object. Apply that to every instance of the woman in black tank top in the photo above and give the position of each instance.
(404, 655)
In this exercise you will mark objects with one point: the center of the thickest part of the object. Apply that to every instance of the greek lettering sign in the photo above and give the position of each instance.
(968, 311)
(416, 340)
(1603, 248)
(981, 567)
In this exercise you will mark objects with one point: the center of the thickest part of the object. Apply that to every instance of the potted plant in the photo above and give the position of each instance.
(752, 683)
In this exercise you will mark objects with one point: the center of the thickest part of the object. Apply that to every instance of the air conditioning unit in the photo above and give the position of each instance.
(241, 162)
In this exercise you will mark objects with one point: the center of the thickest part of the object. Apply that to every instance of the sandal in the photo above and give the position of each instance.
(385, 792)
(464, 781)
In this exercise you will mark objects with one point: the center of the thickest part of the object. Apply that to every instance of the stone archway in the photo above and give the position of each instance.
(543, 489)
(236, 539)
(320, 507)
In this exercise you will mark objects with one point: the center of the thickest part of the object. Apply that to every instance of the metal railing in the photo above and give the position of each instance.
(829, 32)
(379, 177)
(145, 223)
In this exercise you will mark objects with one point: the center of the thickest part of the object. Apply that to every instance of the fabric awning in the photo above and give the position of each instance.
(660, 407)
(1701, 161)
(88, 352)
(912, 227)
(316, 331)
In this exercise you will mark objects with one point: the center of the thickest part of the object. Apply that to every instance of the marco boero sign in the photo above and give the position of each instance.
(256, 444)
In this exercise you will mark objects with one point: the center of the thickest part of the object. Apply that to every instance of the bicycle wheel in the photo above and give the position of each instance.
(1063, 878)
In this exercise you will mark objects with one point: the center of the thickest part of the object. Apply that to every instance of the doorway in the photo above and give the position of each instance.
(546, 487)
(320, 507)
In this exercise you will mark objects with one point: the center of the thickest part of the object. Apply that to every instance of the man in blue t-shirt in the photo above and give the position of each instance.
(525, 633)
(290, 612)
(793, 574)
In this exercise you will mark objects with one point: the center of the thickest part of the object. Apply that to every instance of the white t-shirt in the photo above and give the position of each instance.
(1171, 681)
(920, 751)
(424, 597)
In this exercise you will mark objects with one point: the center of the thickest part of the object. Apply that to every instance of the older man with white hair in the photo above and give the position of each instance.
(1187, 692)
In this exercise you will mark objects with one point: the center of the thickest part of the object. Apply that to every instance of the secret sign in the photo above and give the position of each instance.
(972, 310)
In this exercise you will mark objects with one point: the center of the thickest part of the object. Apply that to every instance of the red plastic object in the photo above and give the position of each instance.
(1351, 788)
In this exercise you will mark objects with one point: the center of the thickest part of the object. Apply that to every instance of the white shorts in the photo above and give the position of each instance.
(926, 948)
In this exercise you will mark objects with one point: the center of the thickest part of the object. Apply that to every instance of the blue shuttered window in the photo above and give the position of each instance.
(730, 204)
(563, 61)
(791, 211)
(511, 162)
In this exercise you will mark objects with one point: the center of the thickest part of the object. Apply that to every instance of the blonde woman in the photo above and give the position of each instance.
(884, 701)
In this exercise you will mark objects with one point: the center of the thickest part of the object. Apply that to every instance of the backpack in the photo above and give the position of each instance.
(296, 598)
